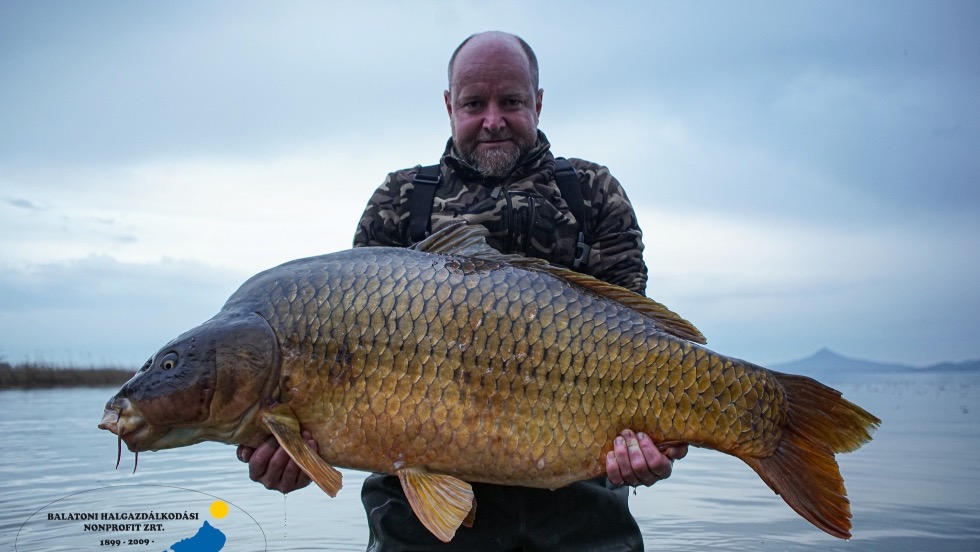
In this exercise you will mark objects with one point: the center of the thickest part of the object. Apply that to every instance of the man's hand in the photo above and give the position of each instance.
(635, 460)
(270, 465)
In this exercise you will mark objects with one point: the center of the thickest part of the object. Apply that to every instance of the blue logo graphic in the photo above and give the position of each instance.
(207, 539)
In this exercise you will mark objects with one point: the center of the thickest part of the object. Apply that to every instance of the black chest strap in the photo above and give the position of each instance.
(420, 204)
(571, 189)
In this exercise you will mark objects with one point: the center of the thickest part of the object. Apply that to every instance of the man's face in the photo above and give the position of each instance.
(493, 106)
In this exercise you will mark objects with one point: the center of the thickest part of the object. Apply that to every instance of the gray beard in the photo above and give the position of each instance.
(496, 163)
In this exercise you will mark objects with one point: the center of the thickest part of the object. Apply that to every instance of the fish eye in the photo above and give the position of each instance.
(169, 361)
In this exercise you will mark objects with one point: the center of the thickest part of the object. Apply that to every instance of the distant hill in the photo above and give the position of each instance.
(965, 366)
(827, 362)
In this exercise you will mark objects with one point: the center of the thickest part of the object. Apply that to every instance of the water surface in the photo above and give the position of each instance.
(915, 487)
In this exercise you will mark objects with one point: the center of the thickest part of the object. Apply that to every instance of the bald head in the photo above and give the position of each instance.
(493, 102)
(500, 42)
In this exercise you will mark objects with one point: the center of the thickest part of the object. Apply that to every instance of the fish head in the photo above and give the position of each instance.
(205, 385)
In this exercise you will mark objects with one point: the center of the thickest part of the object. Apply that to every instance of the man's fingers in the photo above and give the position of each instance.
(639, 456)
(676, 452)
(281, 473)
(622, 453)
(290, 474)
(308, 437)
(623, 460)
(244, 453)
(636, 460)
(612, 469)
(656, 466)
(258, 463)
(270, 465)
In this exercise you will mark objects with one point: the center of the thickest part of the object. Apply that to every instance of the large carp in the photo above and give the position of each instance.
(450, 363)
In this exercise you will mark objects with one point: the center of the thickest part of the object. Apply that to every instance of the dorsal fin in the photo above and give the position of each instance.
(668, 320)
(459, 238)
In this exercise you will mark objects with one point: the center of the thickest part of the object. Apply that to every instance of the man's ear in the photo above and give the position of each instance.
(537, 101)
(447, 97)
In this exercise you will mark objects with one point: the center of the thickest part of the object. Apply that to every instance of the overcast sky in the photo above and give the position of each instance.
(806, 173)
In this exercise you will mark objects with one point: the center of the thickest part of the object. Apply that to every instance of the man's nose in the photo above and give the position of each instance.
(493, 119)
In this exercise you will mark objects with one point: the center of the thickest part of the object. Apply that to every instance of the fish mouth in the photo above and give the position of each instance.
(121, 418)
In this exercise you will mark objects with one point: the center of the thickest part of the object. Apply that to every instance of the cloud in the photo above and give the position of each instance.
(104, 84)
(22, 203)
(97, 309)
(243, 214)
(753, 106)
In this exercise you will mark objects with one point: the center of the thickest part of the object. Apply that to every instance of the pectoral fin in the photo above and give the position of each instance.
(441, 502)
(285, 427)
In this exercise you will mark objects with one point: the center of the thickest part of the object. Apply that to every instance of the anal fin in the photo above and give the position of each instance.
(285, 427)
(441, 502)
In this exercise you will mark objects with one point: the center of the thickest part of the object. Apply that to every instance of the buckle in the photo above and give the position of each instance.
(420, 178)
(582, 251)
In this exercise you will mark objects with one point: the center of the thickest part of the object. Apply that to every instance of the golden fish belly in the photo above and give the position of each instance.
(496, 374)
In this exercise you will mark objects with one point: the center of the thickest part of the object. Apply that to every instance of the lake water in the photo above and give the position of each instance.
(915, 487)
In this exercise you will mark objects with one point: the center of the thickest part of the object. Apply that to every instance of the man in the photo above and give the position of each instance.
(497, 170)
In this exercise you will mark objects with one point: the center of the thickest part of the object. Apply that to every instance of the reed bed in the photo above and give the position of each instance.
(34, 375)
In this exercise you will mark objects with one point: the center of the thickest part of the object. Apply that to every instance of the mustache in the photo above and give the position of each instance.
(494, 136)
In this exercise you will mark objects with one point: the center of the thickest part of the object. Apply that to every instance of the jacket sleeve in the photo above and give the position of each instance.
(614, 233)
(385, 216)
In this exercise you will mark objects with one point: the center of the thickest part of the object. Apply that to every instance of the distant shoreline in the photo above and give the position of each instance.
(42, 376)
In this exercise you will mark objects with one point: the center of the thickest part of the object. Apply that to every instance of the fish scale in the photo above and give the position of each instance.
(452, 363)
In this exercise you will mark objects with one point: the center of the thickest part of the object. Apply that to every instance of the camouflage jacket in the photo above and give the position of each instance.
(524, 213)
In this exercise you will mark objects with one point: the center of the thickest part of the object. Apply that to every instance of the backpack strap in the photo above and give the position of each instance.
(571, 190)
(426, 180)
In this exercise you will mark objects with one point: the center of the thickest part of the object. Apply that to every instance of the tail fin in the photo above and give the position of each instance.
(803, 469)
